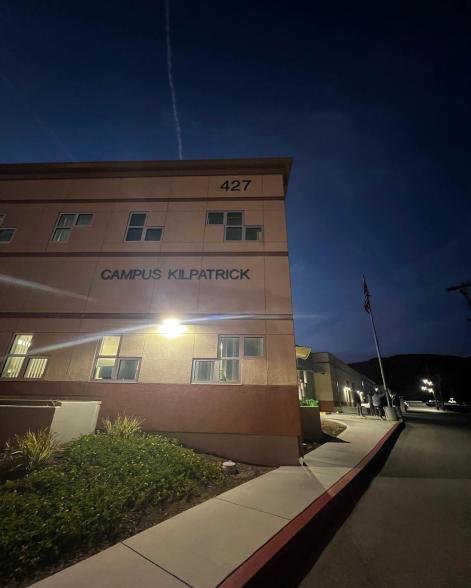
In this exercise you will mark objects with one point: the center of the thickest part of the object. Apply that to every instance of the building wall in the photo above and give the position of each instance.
(335, 381)
(63, 294)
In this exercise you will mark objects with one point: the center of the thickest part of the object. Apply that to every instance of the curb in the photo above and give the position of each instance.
(284, 551)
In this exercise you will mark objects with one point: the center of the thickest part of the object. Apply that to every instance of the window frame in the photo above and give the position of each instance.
(117, 360)
(2, 228)
(26, 359)
(30, 358)
(250, 357)
(74, 225)
(243, 227)
(144, 227)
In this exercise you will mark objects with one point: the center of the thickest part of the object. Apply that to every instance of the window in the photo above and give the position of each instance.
(253, 233)
(234, 228)
(229, 356)
(66, 222)
(215, 218)
(18, 359)
(226, 368)
(110, 366)
(6, 235)
(2, 217)
(137, 230)
(36, 367)
(205, 371)
(253, 347)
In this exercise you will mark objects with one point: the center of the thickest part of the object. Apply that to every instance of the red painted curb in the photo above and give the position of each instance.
(247, 570)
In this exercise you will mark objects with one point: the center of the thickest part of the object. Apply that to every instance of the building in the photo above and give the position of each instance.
(161, 289)
(326, 378)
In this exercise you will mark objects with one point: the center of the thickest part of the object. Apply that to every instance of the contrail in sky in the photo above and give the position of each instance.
(170, 81)
(50, 131)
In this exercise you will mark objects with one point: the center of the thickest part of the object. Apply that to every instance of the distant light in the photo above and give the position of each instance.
(171, 327)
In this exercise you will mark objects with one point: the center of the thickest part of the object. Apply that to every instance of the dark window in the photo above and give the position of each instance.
(134, 234)
(138, 219)
(253, 233)
(215, 218)
(137, 230)
(153, 234)
(234, 218)
(6, 235)
(84, 220)
(233, 233)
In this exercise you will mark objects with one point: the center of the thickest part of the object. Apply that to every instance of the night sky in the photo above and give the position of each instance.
(371, 100)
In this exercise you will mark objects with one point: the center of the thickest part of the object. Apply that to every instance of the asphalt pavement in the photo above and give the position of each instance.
(412, 526)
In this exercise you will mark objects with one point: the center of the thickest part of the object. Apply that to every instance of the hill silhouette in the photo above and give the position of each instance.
(451, 374)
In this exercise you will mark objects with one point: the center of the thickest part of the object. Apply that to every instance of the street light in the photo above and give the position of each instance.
(428, 387)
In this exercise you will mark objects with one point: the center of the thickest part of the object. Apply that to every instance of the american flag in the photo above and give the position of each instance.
(366, 302)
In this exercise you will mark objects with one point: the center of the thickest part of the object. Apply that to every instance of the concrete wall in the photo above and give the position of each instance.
(66, 420)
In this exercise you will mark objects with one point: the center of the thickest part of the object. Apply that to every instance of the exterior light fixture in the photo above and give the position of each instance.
(171, 327)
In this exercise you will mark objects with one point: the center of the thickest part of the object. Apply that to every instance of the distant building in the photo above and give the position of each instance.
(159, 288)
(329, 380)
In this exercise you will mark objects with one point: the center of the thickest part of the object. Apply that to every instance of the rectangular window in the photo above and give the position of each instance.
(253, 347)
(205, 371)
(215, 218)
(233, 234)
(229, 359)
(110, 366)
(234, 218)
(2, 217)
(6, 235)
(66, 222)
(234, 228)
(36, 367)
(18, 364)
(138, 231)
(253, 233)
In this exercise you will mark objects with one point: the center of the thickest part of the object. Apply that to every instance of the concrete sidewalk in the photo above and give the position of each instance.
(202, 546)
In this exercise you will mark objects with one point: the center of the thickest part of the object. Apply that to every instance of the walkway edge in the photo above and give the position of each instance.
(260, 558)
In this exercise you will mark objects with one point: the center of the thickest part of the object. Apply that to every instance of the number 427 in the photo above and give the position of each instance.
(235, 185)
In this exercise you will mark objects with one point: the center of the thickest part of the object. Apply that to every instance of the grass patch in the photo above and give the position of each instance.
(97, 489)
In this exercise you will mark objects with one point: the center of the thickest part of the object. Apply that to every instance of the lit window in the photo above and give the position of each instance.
(229, 359)
(18, 359)
(226, 369)
(110, 366)
(253, 346)
(6, 235)
(36, 367)
(205, 371)
(66, 222)
(138, 231)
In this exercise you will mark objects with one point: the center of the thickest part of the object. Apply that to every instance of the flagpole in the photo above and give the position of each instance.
(369, 310)
(379, 357)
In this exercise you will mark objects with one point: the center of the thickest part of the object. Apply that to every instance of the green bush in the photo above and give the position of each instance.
(309, 402)
(99, 488)
(30, 451)
(122, 426)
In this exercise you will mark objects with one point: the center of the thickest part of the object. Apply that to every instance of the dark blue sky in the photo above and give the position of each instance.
(372, 101)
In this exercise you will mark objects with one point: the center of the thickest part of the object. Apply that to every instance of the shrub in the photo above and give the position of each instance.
(30, 451)
(309, 402)
(122, 426)
(97, 491)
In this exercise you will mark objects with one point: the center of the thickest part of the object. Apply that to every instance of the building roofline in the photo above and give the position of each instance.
(99, 169)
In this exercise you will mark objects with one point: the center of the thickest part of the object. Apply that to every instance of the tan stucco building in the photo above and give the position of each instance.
(161, 289)
(327, 379)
